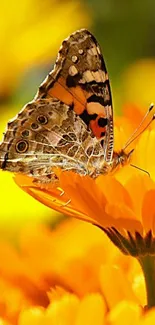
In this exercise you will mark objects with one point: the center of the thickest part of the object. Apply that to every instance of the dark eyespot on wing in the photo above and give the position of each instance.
(25, 133)
(42, 119)
(22, 146)
(34, 126)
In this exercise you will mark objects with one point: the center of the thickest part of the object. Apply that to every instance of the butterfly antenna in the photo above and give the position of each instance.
(141, 169)
(132, 138)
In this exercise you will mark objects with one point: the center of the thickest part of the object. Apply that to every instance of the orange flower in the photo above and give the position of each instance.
(120, 201)
(122, 205)
(66, 277)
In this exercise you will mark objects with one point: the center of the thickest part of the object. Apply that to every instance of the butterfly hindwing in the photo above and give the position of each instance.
(47, 134)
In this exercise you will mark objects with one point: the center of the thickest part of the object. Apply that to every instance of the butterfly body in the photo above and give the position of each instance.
(69, 124)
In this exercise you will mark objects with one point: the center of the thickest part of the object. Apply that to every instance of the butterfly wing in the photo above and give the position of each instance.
(80, 80)
(47, 134)
(70, 122)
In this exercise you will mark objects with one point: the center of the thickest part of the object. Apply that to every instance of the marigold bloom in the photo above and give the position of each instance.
(64, 276)
(119, 203)
(122, 205)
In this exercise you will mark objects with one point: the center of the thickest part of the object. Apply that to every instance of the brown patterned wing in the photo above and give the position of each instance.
(46, 134)
(80, 80)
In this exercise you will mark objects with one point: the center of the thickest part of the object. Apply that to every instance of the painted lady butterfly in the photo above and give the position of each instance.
(69, 124)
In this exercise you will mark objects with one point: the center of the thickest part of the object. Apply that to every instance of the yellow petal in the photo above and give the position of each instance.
(115, 286)
(125, 313)
(91, 311)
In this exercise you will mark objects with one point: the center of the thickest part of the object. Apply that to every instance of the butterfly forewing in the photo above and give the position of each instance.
(80, 80)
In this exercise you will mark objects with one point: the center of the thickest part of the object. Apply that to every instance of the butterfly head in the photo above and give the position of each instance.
(120, 159)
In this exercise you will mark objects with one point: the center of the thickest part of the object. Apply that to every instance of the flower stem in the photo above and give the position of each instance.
(147, 263)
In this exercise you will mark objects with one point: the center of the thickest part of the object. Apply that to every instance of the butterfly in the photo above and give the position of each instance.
(69, 124)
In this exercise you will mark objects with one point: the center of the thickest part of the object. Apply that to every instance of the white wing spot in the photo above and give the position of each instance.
(80, 51)
(98, 76)
(87, 76)
(98, 50)
(74, 58)
(72, 70)
(92, 51)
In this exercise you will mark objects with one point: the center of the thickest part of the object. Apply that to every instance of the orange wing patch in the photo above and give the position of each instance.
(74, 97)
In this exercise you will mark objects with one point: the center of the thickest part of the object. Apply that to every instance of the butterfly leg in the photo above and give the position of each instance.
(62, 192)
(65, 204)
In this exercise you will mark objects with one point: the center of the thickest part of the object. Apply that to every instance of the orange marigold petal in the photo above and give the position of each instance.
(51, 195)
(123, 218)
(84, 195)
(137, 187)
(113, 190)
(148, 211)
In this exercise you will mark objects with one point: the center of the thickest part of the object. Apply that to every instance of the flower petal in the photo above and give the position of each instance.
(91, 310)
(148, 211)
(125, 313)
(115, 291)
